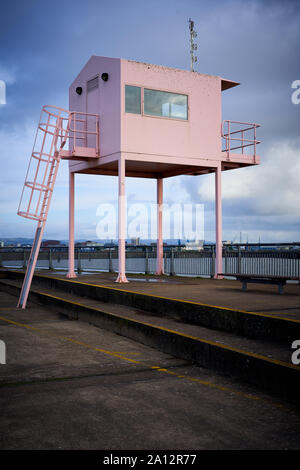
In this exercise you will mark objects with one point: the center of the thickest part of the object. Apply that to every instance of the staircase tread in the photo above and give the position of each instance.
(268, 349)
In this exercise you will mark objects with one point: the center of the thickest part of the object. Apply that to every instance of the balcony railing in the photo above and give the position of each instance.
(83, 130)
(239, 135)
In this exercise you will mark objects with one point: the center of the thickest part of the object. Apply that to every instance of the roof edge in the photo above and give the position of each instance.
(226, 84)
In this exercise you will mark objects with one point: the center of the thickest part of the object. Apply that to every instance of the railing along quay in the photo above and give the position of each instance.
(261, 259)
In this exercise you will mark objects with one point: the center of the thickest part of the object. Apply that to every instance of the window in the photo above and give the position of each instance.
(165, 104)
(132, 99)
(156, 103)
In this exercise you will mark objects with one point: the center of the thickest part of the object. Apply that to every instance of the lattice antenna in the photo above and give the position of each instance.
(193, 45)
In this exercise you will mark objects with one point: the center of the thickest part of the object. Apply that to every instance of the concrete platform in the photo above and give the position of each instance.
(253, 347)
(70, 385)
(221, 292)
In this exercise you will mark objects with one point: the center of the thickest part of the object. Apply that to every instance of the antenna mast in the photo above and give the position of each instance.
(193, 46)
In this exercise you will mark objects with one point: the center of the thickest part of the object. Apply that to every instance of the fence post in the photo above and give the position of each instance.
(172, 273)
(146, 261)
(79, 270)
(213, 264)
(239, 261)
(225, 256)
(110, 269)
(1, 261)
(24, 259)
(50, 260)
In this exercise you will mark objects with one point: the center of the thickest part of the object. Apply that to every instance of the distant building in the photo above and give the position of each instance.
(50, 243)
(194, 245)
(89, 245)
(135, 241)
(93, 244)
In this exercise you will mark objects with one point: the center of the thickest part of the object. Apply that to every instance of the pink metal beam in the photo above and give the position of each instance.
(159, 250)
(31, 265)
(121, 214)
(218, 209)
(71, 272)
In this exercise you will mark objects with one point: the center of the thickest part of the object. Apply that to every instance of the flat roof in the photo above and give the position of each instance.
(225, 83)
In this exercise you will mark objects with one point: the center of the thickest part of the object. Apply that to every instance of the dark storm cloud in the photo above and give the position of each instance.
(44, 45)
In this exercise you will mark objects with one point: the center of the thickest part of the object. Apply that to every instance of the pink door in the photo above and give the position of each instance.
(92, 107)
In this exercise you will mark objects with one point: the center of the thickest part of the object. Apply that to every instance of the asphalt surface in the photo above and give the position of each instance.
(69, 385)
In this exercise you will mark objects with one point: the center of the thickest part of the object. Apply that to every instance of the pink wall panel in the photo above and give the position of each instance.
(105, 101)
(195, 138)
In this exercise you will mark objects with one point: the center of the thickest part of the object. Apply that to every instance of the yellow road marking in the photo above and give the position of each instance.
(155, 368)
(127, 352)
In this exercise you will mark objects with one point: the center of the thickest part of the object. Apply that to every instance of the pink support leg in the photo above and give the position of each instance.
(71, 272)
(159, 259)
(121, 213)
(218, 203)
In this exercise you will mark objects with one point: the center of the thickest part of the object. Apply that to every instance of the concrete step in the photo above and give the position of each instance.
(242, 323)
(265, 364)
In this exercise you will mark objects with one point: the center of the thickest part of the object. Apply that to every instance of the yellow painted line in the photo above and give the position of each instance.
(202, 340)
(80, 343)
(168, 298)
(127, 352)
(155, 368)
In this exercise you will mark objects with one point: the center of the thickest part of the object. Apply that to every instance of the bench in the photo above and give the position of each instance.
(280, 281)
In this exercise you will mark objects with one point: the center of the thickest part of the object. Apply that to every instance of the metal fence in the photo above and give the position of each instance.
(282, 260)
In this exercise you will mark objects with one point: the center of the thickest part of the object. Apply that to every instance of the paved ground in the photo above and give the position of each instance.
(222, 292)
(70, 385)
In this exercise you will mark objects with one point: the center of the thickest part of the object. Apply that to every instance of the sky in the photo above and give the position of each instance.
(43, 46)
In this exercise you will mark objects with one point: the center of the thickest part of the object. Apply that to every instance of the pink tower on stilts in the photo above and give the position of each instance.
(133, 119)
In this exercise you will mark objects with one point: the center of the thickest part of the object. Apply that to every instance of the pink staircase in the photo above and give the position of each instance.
(55, 127)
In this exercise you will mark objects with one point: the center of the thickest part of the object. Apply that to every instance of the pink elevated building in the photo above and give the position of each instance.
(134, 119)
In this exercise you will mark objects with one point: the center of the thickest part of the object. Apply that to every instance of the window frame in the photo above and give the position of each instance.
(142, 114)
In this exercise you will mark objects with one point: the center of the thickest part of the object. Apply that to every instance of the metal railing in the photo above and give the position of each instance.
(43, 163)
(56, 126)
(83, 128)
(237, 137)
(268, 260)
